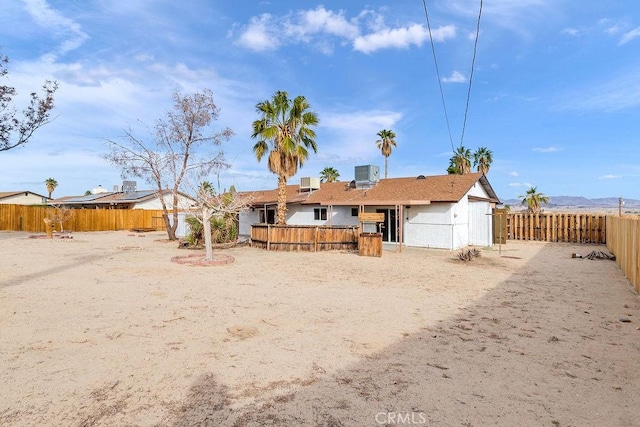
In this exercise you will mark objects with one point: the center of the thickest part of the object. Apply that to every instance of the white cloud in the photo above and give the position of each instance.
(321, 27)
(64, 27)
(546, 149)
(414, 34)
(258, 35)
(520, 185)
(455, 77)
(573, 32)
(627, 37)
(355, 130)
(610, 176)
(618, 93)
(322, 20)
(513, 173)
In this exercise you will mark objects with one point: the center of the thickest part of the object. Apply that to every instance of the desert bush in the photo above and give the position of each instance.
(223, 230)
(467, 255)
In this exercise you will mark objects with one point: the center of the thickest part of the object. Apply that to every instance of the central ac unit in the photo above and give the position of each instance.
(367, 173)
(309, 183)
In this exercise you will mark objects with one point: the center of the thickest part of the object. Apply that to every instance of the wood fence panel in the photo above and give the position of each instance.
(554, 227)
(30, 219)
(623, 240)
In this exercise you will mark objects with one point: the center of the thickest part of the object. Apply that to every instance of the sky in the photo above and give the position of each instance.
(554, 94)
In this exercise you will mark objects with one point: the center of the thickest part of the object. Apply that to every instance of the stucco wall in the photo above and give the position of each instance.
(154, 203)
(429, 226)
(22, 199)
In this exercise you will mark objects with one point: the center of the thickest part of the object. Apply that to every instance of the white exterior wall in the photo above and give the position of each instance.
(480, 224)
(154, 203)
(336, 215)
(429, 226)
(22, 199)
(248, 217)
(480, 219)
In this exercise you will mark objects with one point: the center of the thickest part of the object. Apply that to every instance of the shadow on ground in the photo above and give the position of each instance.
(531, 352)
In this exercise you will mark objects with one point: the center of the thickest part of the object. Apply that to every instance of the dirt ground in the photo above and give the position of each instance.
(104, 330)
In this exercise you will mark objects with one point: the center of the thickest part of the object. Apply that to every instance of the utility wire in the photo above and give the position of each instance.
(435, 60)
(473, 62)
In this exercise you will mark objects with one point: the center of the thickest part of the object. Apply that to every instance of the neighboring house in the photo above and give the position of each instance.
(145, 199)
(22, 198)
(443, 211)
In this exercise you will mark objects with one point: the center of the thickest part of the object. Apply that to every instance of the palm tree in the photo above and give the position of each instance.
(285, 132)
(482, 159)
(533, 200)
(329, 174)
(385, 144)
(460, 163)
(51, 185)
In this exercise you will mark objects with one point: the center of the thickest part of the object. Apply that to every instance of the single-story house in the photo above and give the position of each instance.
(443, 211)
(144, 199)
(22, 198)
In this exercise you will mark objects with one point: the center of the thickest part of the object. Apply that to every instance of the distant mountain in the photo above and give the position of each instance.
(573, 201)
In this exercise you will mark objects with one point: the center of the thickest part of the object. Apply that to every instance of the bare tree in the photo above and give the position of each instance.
(60, 215)
(14, 131)
(182, 142)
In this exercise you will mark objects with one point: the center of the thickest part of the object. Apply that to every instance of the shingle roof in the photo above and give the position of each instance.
(4, 194)
(109, 197)
(391, 191)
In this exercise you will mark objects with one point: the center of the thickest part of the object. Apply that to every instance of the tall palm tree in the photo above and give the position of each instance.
(460, 163)
(385, 143)
(534, 200)
(51, 184)
(482, 159)
(329, 174)
(285, 132)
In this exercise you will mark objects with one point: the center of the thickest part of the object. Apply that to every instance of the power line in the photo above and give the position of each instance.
(473, 61)
(435, 60)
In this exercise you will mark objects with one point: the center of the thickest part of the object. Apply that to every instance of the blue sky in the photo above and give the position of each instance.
(555, 94)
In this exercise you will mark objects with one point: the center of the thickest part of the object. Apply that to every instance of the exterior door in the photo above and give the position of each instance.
(389, 228)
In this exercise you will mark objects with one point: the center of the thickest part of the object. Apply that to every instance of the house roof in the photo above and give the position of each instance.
(4, 194)
(406, 191)
(109, 198)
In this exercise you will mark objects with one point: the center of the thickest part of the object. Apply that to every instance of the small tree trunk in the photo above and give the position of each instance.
(171, 231)
(206, 225)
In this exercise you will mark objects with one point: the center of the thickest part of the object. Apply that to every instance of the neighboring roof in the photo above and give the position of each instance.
(108, 198)
(391, 191)
(4, 194)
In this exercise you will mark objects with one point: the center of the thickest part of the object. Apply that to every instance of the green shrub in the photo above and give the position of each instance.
(223, 230)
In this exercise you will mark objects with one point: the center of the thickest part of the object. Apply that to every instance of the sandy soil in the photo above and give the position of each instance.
(103, 330)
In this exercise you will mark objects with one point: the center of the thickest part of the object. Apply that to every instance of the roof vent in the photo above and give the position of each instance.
(309, 183)
(421, 177)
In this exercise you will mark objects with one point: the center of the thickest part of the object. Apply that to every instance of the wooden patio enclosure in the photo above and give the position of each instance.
(30, 219)
(304, 237)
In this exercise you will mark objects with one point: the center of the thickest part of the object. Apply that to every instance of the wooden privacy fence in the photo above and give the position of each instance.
(304, 237)
(624, 242)
(30, 218)
(557, 227)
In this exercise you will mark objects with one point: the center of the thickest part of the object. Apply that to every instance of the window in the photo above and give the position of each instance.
(320, 214)
(354, 211)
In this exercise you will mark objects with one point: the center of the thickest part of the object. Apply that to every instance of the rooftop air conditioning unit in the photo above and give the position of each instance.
(367, 173)
(129, 186)
(309, 183)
